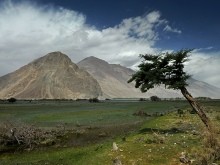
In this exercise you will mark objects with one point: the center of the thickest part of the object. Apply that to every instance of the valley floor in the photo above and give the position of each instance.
(158, 141)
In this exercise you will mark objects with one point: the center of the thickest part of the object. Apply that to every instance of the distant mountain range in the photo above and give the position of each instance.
(113, 81)
(55, 76)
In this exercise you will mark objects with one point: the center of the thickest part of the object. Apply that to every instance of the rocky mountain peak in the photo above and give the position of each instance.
(51, 76)
(94, 60)
(53, 59)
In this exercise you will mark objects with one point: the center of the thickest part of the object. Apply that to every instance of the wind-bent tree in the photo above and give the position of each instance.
(167, 69)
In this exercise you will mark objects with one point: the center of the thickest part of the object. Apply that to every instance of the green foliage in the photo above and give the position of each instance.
(166, 149)
(154, 98)
(142, 99)
(165, 68)
(203, 98)
(94, 100)
(217, 117)
(12, 100)
(86, 113)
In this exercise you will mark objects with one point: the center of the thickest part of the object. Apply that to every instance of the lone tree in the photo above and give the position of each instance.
(167, 69)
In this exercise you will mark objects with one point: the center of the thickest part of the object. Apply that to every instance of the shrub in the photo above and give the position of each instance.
(155, 139)
(142, 99)
(22, 136)
(141, 113)
(94, 100)
(154, 98)
(192, 111)
(217, 117)
(211, 143)
(12, 100)
(180, 112)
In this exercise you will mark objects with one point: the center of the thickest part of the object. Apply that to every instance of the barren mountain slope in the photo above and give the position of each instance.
(113, 81)
(53, 76)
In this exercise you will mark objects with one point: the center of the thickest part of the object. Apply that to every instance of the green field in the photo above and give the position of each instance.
(155, 140)
(50, 114)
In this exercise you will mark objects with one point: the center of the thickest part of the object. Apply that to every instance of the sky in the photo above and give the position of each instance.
(116, 31)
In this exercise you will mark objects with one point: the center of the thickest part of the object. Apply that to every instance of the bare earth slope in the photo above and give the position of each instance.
(53, 76)
(113, 81)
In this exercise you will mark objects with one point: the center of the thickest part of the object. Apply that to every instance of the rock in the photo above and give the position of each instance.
(48, 142)
(184, 158)
(103, 134)
(117, 161)
(194, 132)
(114, 146)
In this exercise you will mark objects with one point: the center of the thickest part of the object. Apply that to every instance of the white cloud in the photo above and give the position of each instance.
(29, 31)
(205, 66)
(168, 28)
(126, 40)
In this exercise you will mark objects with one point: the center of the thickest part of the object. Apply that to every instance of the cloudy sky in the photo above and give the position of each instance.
(116, 31)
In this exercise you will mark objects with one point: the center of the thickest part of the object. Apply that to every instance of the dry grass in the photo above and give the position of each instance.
(210, 152)
(18, 136)
(162, 140)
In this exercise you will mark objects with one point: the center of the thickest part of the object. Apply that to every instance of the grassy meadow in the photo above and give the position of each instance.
(160, 139)
(50, 114)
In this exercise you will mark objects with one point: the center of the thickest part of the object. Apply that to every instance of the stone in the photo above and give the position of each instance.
(117, 161)
(114, 146)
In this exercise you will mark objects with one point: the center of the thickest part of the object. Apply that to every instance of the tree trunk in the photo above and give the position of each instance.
(197, 108)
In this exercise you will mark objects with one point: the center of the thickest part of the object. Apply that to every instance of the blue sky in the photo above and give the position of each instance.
(116, 31)
(197, 20)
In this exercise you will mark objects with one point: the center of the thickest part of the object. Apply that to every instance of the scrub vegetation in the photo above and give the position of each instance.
(83, 133)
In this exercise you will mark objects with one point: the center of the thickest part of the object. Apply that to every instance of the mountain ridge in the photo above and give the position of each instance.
(53, 76)
(119, 75)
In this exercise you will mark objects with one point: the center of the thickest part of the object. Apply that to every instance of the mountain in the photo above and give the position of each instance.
(53, 76)
(199, 88)
(113, 81)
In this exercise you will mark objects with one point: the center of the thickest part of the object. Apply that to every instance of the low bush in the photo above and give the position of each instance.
(155, 98)
(141, 113)
(12, 100)
(20, 136)
(94, 100)
(211, 153)
(217, 117)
